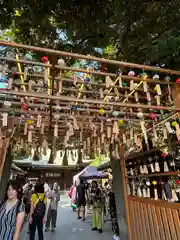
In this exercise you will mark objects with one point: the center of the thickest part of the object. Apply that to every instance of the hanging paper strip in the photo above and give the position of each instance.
(165, 136)
(136, 96)
(154, 132)
(131, 133)
(131, 85)
(102, 138)
(42, 128)
(30, 85)
(102, 127)
(4, 119)
(25, 73)
(25, 128)
(75, 125)
(168, 126)
(158, 100)
(142, 123)
(39, 120)
(145, 86)
(101, 93)
(10, 81)
(56, 130)
(30, 134)
(60, 85)
(120, 81)
(124, 138)
(158, 89)
(177, 131)
(108, 132)
(148, 95)
(81, 133)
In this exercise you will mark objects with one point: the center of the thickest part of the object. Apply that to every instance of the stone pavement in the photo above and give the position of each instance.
(69, 228)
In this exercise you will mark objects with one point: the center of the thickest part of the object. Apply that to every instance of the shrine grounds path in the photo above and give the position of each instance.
(69, 228)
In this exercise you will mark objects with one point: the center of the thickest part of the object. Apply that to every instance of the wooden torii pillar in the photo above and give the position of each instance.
(120, 189)
(5, 165)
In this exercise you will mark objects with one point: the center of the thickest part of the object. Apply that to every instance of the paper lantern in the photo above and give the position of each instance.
(140, 115)
(174, 123)
(44, 59)
(24, 106)
(124, 84)
(156, 77)
(115, 113)
(7, 104)
(152, 116)
(30, 122)
(61, 62)
(101, 111)
(120, 122)
(144, 76)
(148, 183)
(178, 182)
(28, 56)
(131, 73)
(154, 182)
(178, 80)
(163, 155)
(86, 80)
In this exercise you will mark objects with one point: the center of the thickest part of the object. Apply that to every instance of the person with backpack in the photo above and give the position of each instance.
(38, 212)
(12, 212)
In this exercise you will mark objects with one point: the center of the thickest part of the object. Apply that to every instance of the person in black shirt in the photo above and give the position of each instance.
(81, 199)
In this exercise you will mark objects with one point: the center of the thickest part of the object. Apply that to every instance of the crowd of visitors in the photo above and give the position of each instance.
(100, 199)
(37, 203)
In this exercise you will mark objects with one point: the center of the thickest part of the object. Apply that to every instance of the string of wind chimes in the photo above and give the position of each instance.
(154, 172)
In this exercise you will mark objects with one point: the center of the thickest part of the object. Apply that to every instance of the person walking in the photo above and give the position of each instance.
(12, 212)
(38, 212)
(81, 199)
(54, 197)
(97, 208)
(72, 196)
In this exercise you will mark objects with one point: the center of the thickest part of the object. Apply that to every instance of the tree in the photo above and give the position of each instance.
(137, 30)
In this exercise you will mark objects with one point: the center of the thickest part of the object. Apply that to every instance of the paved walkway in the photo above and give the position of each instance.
(69, 228)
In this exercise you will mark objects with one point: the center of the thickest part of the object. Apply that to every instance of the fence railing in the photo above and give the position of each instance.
(153, 220)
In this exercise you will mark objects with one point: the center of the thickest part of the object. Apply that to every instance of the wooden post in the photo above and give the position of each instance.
(5, 166)
(176, 94)
(119, 184)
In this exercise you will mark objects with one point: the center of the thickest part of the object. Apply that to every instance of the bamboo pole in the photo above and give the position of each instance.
(125, 77)
(90, 101)
(81, 56)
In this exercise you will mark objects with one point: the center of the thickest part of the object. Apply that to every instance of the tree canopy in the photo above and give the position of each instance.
(134, 30)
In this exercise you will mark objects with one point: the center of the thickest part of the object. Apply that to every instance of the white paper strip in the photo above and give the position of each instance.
(5, 119)
(145, 86)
